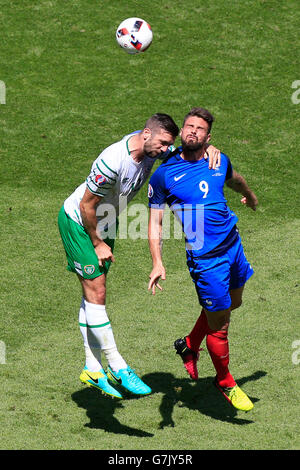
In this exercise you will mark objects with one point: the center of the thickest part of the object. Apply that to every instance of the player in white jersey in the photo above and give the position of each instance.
(114, 176)
(117, 174)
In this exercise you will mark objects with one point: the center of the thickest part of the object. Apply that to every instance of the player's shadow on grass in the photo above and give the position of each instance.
(100, 410)
(201, 395)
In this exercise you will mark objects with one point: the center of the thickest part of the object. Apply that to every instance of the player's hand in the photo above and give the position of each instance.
(250, 201)
(214, 157)
(155, 275)
(104, 253)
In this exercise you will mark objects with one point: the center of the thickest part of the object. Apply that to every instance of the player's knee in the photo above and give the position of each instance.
(99, 294)
(218, 320)
(236, 304)
(99, 298)
(219, 326)
(95, 291)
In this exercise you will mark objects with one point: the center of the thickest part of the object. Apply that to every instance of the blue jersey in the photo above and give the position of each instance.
(195, 194)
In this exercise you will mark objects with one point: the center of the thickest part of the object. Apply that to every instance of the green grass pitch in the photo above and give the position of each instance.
(68, 91)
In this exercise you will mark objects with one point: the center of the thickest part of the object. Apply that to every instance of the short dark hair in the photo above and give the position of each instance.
(201, 113)
(162, 121)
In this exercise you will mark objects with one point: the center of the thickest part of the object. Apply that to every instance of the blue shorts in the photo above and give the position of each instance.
(215, 277)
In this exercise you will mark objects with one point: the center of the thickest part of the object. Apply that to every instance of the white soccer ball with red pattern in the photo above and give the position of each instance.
(134, 35)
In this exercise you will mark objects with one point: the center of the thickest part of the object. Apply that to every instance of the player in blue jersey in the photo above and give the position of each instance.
(215, 255)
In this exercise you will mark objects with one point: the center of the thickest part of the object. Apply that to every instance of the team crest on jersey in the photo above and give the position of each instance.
(150, 191)
(89, 269)
(100, 179)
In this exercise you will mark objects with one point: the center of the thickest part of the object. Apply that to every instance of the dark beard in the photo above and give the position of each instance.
(192, 147)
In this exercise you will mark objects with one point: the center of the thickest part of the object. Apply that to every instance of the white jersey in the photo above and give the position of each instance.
(114, 176)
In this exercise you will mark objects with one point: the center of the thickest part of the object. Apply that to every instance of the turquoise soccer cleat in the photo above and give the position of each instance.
(129, 380)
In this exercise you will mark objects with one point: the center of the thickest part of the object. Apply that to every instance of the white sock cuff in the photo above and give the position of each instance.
(82, 318)
(91, 306)
(96, 315)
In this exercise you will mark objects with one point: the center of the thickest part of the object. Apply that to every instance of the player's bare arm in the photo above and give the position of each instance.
(238, 183)
(214, 156)
(88, 207)
(155, 245)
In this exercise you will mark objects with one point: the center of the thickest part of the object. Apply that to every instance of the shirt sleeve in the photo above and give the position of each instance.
(104, 173)
(156, 190)
(229, 167)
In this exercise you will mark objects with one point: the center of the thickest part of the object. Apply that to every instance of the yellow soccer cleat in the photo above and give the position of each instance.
(236, 397)
(99, 381)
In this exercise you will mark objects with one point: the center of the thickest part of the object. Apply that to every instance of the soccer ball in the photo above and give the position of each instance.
(134, 35)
